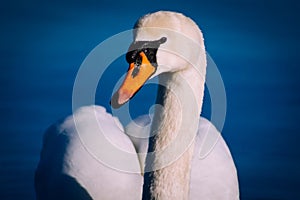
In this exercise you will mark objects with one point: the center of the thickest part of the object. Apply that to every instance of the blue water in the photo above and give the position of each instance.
(254, 43)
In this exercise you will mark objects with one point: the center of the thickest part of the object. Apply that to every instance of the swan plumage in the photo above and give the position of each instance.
(63, 154)
(65, 161)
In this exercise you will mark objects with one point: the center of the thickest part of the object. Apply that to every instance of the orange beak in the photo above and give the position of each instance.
(134, 80)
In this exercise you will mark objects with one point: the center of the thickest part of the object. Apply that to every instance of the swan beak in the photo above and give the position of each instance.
(135, 78)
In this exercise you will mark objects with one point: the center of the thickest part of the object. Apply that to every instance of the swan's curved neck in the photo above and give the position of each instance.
(174, 129)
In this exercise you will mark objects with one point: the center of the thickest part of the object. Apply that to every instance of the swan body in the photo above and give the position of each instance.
(175, 170)
(64, 155)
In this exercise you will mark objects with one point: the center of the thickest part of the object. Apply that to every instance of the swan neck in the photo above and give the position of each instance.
(174, 129)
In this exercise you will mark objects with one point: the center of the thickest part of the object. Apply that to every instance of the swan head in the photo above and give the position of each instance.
(163, 42)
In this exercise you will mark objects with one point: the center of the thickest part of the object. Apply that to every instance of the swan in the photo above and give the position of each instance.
(164, 162)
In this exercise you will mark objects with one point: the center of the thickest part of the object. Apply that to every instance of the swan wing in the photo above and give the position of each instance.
(213, 174)
(74, 154)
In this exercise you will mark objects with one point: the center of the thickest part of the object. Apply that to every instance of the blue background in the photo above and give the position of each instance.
(254, 43)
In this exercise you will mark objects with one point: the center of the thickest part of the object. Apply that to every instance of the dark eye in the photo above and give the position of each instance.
(131, 56)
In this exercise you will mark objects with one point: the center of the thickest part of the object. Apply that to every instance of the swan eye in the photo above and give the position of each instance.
(131, 56)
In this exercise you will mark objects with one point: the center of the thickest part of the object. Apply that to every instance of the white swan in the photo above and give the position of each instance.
(68, 170)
